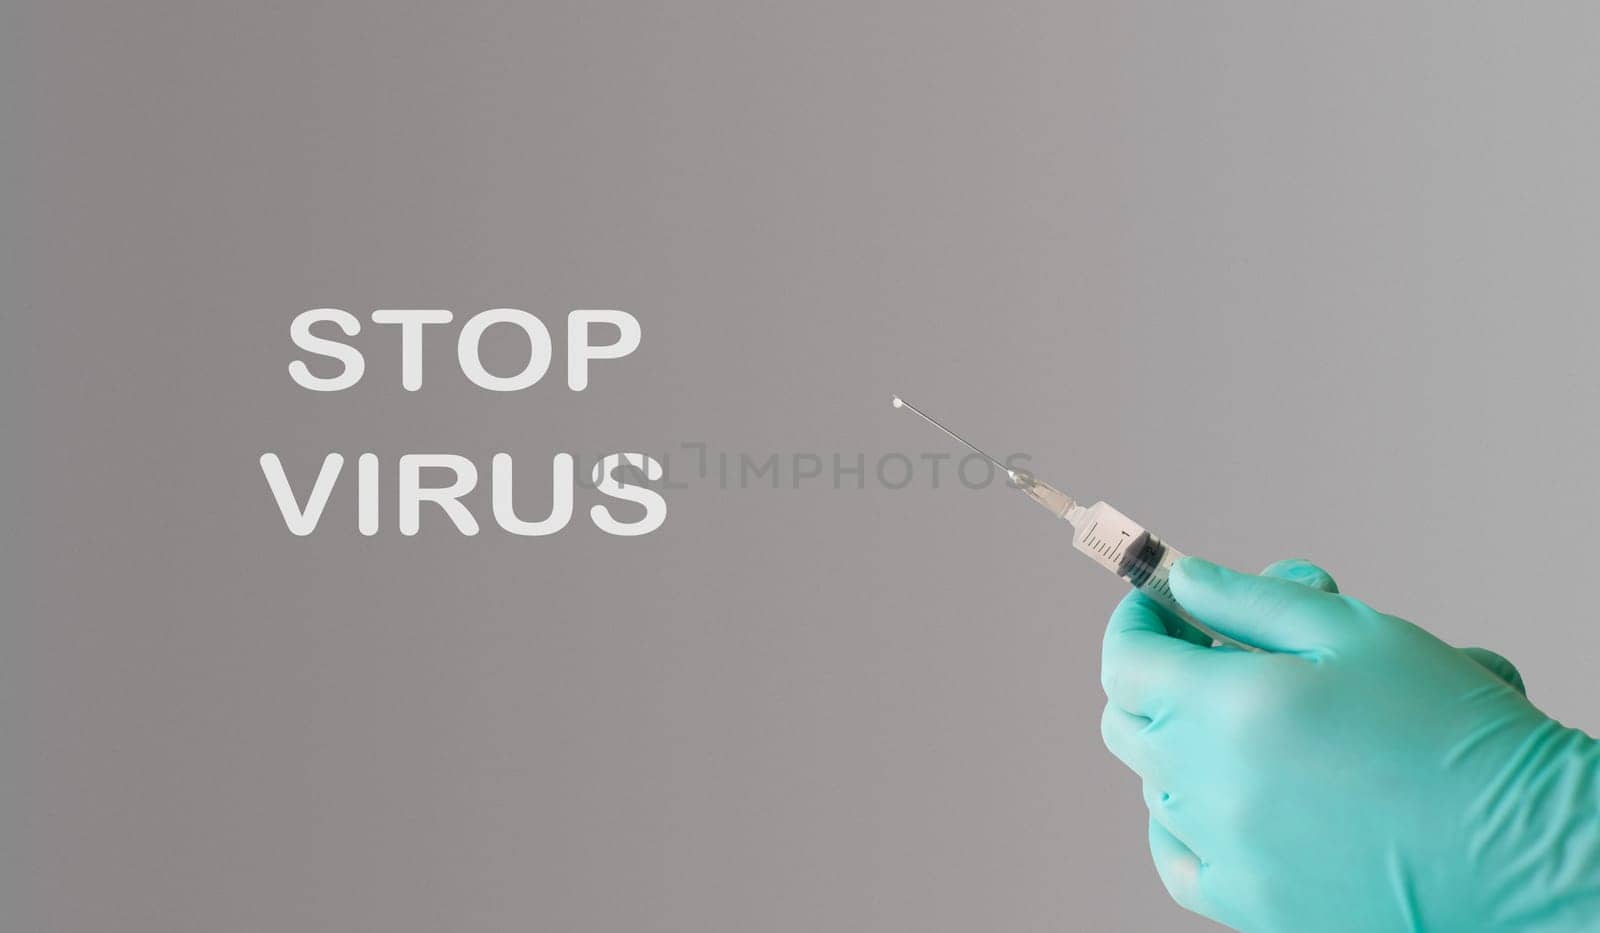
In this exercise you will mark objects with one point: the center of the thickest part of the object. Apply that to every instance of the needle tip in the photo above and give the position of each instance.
(897, 402)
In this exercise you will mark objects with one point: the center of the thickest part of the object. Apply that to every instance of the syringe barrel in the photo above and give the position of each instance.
(1123, 546)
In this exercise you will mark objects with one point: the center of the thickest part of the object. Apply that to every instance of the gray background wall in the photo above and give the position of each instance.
(1316, 281)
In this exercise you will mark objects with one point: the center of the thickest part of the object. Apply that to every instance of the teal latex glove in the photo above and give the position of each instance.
(1358, 775)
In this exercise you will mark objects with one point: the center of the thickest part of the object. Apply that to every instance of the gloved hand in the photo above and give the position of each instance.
(1359, 775)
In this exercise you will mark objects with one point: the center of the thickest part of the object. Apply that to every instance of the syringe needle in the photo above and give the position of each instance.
(902, 403)
(1057, 502)
(1111, 539)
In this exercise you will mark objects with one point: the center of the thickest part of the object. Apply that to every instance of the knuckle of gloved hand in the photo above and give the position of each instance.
(1237, 899)
(1110, 674)
(1108, 729)
(1122, 739)
(1181, 878)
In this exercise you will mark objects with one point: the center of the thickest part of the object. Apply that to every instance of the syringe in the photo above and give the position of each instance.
(1110, 538)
